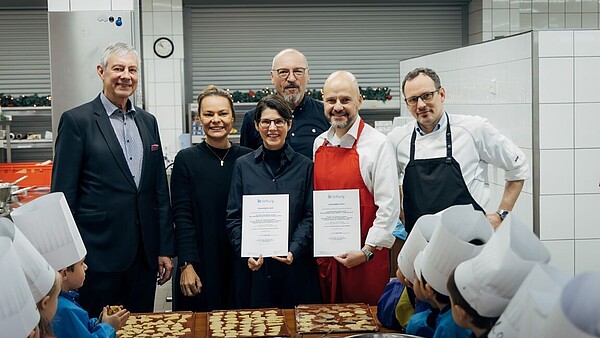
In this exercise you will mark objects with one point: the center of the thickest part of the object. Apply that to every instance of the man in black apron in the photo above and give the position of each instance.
(444, 158)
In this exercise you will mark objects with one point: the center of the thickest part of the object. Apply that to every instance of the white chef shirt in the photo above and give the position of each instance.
(378, 171)
(475, 144)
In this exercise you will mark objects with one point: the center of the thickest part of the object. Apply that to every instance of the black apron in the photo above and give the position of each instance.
(434, 184)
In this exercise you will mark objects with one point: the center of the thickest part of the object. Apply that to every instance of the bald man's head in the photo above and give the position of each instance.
(342, 100)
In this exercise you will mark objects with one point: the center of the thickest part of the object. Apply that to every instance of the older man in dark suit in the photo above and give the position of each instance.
(109, 164)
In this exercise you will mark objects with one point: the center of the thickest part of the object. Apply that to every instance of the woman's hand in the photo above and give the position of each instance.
(189, 282)
(287, 260)
(255, 264)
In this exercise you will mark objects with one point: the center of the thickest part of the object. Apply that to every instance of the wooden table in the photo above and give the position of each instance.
(290, 320)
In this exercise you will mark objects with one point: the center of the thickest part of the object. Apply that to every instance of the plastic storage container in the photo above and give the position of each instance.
(38, 175)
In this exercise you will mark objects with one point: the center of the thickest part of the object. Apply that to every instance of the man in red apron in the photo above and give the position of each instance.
(444, 158)
(353, 155)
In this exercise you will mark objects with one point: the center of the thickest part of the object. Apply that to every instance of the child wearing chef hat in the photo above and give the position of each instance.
(49, 225)
(482, 287)
(43, 281)
(416, 316)
(460, 235)
(543, 279)
(18, 313)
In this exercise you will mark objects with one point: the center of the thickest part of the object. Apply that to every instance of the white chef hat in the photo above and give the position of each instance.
(449, 244)
(536, 310)
(416, 241)
(488, 281)
(577, 313)
(40, 275)
(18, 312)
(49, 225)
(542, 278)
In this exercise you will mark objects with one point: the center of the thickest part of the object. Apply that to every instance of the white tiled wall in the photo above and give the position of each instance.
(570, 145)
(163, 84)
(489, 19)
(562, 253)
(495, 80)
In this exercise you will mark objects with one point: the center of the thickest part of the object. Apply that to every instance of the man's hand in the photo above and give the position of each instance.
(255, 264)
(494, 219)
(351, 258)
(189, 282)
(287, 260)
(117, 320)
(165, 267)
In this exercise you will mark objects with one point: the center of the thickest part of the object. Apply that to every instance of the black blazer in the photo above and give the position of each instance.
(112, 214)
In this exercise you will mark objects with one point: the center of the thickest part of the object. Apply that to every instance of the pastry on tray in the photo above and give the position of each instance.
(155, 325)
(328, 318)
(247, 323)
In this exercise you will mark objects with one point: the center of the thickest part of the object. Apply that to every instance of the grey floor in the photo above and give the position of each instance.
(160, 300)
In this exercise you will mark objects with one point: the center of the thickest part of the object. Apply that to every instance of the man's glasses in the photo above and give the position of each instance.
(266, 123)
(426, 97)
(284, 72)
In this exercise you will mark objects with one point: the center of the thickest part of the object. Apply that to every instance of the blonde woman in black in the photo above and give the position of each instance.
(199, 188)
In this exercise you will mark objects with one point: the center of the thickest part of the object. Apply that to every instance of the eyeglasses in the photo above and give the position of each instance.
(266, 123)
(284, 72)
(426, 97)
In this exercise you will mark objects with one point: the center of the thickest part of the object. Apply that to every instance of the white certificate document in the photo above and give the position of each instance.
(336, 221)
(265, 224)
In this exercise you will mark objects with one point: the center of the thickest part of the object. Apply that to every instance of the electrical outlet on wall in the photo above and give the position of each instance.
(493, 87)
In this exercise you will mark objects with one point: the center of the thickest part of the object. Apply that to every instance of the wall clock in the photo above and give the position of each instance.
(163, 47)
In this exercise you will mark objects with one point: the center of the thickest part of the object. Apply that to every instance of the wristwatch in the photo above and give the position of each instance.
(185, 264)
(367, 253)
(502, 213)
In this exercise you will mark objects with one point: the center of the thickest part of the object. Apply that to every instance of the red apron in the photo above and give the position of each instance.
(337, 168)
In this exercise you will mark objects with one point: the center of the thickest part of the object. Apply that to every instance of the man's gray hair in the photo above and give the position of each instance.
(119, 49)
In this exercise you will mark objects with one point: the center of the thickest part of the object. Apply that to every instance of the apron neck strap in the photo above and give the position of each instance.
(361, 126)
(448, 142)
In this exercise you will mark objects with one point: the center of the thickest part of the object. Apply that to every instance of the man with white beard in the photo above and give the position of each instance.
(290, 75)
(353, 155)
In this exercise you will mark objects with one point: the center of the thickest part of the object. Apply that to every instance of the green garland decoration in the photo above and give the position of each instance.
(379, 93)
(251, 95)
(24, 100)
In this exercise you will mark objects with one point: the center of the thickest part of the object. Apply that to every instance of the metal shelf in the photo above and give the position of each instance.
(25, 121)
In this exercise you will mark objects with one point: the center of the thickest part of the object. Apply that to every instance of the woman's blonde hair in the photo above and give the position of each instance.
(212, 90)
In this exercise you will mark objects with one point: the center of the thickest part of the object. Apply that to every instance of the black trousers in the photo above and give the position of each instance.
(133, 288)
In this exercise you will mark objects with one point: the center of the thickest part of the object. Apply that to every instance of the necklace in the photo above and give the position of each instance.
(220, 159)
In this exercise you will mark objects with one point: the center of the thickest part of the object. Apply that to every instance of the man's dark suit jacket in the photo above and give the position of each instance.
(110, 211)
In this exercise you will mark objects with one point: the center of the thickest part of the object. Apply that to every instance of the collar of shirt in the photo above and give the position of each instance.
(300, 107)
(71, 295)
(441, 123)
(111, 107)
(445, 309)
(287, 155)
(347, 140)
